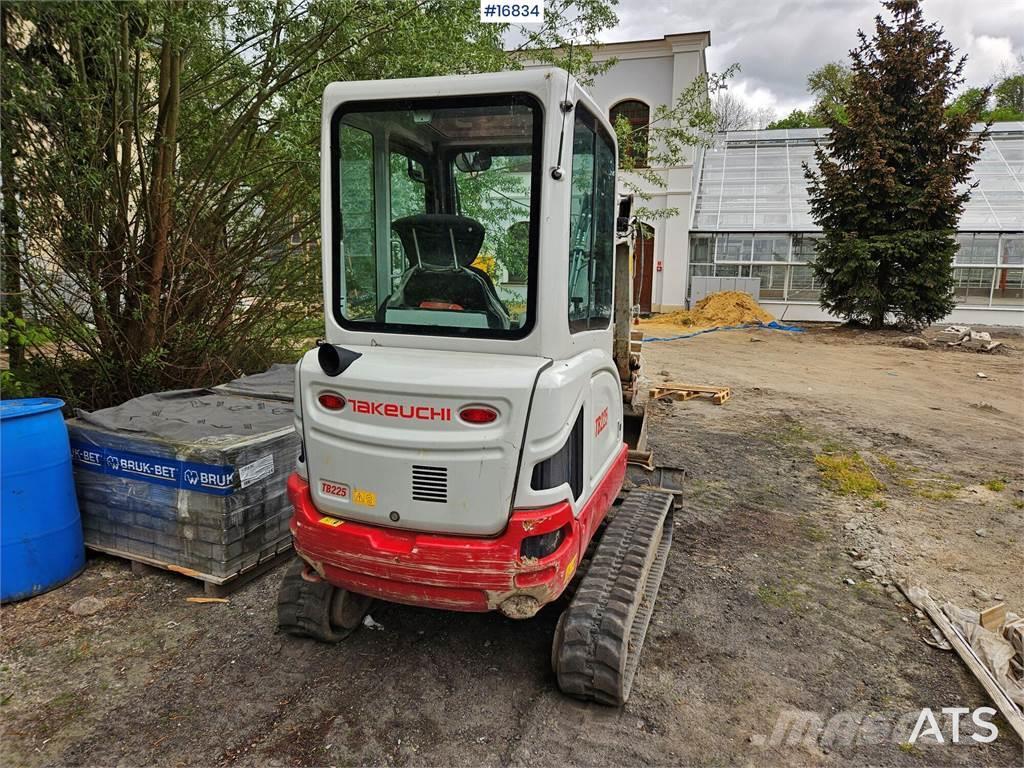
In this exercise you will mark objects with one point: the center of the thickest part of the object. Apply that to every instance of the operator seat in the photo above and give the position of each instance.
(441, 249)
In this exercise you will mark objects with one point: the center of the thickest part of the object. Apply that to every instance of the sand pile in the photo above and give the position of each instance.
(725, 308)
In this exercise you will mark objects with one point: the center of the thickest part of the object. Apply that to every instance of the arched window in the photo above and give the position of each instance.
(639, 116)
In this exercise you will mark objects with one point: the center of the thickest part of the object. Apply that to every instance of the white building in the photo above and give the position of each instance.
(742, 205)
(648, 73)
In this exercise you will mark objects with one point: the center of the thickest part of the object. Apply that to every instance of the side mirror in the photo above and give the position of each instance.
(622, 221)
(415, 171)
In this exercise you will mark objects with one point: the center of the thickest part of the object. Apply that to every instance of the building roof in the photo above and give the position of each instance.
(635, 49)
(754, 181)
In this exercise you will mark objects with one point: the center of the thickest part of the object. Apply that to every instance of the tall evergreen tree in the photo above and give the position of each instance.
(888, 190)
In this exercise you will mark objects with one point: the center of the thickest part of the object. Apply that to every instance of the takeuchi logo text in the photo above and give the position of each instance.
(398, 411)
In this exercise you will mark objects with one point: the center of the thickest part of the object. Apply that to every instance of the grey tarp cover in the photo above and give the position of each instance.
(992, 648)
(276, 383)
(192, 415)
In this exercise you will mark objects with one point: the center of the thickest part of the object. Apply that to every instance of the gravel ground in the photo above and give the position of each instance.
(767, 645)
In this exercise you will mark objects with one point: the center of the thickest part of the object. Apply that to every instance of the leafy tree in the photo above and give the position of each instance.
(160, 159)
(1003, 101)
(798, 119)
(1009, 94)
(973, 101)
(887, 194)
(830, 85)
(499, 199)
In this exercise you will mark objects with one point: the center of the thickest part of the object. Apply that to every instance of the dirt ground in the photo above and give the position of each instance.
(768, 646)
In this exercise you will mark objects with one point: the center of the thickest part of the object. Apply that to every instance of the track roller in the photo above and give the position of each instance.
(597, 643)
(307, 606)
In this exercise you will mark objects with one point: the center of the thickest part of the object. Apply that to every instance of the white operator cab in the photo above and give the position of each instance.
(468, 230)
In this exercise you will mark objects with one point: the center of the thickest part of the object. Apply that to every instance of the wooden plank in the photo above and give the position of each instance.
(690, 387)
(919, 596)
(992, 618)
(143, 565)
(719, 395)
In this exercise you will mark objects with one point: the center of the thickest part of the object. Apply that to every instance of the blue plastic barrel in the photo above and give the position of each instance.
(40, 528)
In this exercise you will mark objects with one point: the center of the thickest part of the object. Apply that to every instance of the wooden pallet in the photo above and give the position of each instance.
(718, 395)
(213, 586)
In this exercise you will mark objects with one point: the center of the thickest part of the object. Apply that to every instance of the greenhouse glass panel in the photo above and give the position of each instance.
(772, 219)
(803, 248)
(734, 247)
(771, 247)
(1009, 288)
(802, 284)
(701, 250)
(772, 163)
(973, 285)
(773, 280)
(1012, 249)
(985, 250)
(736, 220)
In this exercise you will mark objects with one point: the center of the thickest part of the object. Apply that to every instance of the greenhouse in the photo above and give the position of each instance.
(752, 218)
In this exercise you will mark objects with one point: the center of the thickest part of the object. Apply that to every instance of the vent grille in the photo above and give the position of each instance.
(430, 483)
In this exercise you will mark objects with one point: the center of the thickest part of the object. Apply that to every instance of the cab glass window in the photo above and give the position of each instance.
(591, 225)
(445, 241)
(358, 220)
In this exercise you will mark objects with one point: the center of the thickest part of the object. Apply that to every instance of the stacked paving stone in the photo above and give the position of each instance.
(193, 480)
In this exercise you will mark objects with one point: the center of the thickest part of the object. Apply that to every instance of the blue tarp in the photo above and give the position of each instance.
(774, 325)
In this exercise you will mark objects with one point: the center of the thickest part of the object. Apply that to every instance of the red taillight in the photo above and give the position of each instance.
(478, 414)
(331, 401)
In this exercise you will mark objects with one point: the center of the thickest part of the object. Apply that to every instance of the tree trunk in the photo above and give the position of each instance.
(12, 300)
(161, 209)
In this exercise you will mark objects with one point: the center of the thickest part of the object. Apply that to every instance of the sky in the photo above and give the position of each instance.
(778, 42)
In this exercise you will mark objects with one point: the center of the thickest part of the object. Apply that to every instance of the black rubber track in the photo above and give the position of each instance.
(304, 608)
(600, 635)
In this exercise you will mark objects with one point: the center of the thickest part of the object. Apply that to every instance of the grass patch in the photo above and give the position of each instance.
(793, 433)
(895, 466)
(1018, 504)
(810, 530)
(866, 589)
(909, 749)
(902, 475)
(847, 474)
(780, 597)
(832, 446)
(938, 494)
(889, 462)
(996, 485)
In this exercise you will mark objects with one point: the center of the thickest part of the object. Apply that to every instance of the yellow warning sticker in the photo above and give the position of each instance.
(570, 569)
(364, 498)
(331, 521)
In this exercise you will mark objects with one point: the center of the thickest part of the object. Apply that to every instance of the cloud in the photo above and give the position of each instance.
(778, 43)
